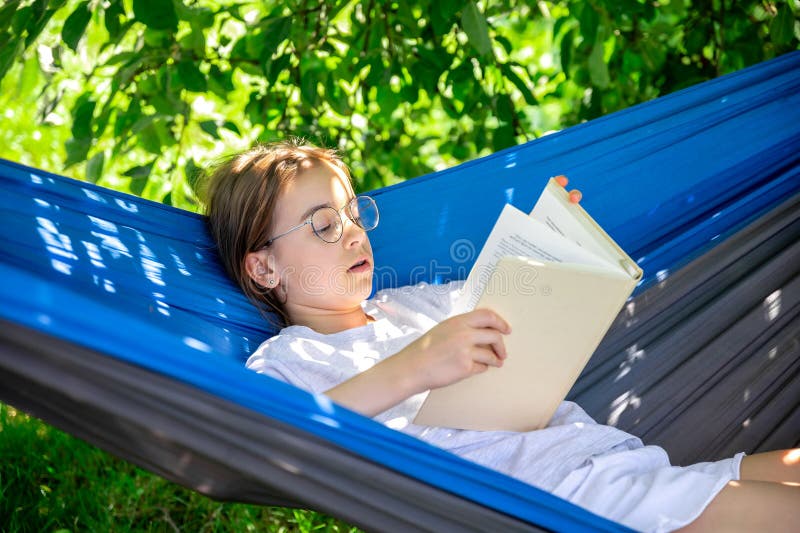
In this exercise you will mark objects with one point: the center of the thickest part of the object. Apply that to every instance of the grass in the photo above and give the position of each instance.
(53, 482)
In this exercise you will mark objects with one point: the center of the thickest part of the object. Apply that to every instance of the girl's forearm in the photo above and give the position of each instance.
(375, 390)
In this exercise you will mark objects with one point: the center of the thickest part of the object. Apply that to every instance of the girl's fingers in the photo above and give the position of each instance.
(479, 368)
(574, 195)
(486, 318)
(491, 338)
(486, 356)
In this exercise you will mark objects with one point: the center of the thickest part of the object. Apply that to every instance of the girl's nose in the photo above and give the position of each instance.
(352, 233)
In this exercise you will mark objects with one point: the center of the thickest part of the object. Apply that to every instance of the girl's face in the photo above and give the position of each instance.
(312, 276)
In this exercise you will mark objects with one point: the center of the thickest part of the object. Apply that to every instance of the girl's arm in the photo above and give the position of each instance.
(452, 350)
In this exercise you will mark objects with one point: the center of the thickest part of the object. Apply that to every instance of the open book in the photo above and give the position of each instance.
(560, 281)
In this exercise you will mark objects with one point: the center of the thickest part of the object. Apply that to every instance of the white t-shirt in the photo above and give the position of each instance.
(599, 467)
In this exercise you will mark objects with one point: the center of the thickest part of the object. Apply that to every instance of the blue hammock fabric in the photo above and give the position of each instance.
(139, 281)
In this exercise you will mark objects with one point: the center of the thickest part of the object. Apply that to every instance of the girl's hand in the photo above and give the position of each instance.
(452, 350)
(456, 348)
(574, 195)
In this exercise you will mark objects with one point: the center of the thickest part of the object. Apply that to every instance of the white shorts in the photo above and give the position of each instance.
(640, 489)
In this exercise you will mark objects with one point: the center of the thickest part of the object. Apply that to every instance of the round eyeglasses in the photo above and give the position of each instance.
(326, 222)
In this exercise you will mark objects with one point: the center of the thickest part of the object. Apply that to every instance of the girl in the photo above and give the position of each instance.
(291, 232)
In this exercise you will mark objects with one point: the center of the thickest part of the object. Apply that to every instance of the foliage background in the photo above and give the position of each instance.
(138, 95)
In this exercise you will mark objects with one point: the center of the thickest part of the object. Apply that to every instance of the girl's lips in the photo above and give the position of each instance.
(363, 267)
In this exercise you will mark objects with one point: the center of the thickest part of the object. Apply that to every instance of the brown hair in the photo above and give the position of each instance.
(241, 195)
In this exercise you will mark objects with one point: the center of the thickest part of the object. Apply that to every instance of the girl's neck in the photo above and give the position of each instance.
(332, 323)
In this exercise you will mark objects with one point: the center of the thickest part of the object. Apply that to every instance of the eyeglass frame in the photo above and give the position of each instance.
(338, 212)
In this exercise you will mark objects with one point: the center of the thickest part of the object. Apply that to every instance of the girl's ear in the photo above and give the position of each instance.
(261, 269)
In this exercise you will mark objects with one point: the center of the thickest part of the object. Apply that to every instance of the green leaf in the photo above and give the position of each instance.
(697, 39)
(509, 73)
(476, 28)
(139, 171)
(308, 88)
(191, 77)
(165, 132)
(137, 185)
(275, 32)
(156, 14)
(148, 139)
(121, 57)
(559, 23)
(158, 39)
(8, 53)
(377, 72)
(598, 70)
(507, 46)
(126, 72)
(210, 127)
(278, 66)
(20, 20)
(103, 118)
(94, 167)
(387, 101)
(426, 76)
(30, 77)
(589, 21)
(162, 102)
(128, 118)
(505, 109)
(194, 40)
(442, 15)
(75, 25)
(112, 18)
(219, 82)
(566, 51)
(437, 56)
(230, 126)
(405, 17)
(77, 150)
(631, 62)
(192, 173)
(201, 17)
(82, 116)
(7, 14)
(255, 108)
(503, 137)
(38, 22)
(653, 55)
(781, 28)
(336, 97)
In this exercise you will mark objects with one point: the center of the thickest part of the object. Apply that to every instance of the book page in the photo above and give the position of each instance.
(517, 234)
(554, 209)
(554, 213)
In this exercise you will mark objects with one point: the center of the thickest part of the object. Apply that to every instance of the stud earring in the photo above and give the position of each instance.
(272, 282)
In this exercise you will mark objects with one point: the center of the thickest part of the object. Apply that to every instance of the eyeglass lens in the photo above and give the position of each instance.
(327, 222)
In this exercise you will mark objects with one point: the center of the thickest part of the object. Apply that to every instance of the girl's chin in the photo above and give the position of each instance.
(355, 285)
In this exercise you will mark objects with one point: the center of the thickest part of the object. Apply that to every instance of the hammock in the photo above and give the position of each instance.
(118, 325)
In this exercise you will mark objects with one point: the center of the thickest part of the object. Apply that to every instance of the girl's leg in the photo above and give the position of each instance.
(780, 465)
(751, 506)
